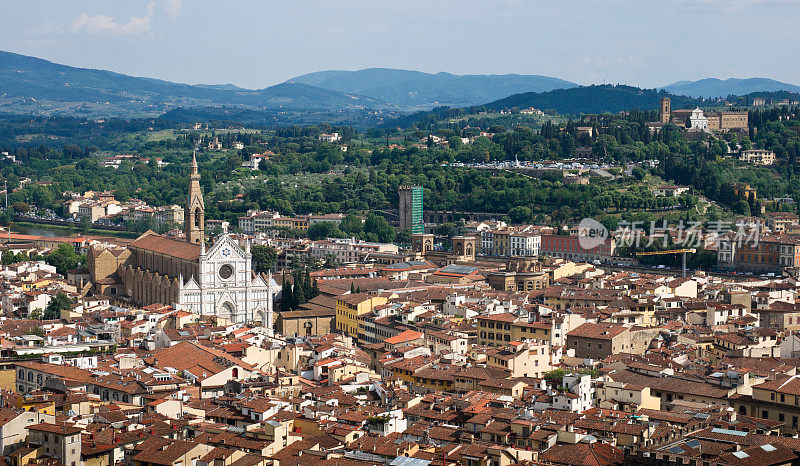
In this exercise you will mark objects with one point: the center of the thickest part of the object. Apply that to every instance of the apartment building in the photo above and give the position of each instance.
(162, 215)
(600, 340)
(529, 359)
(779, 222)
(350, 307)
(172, 214)
(264, 220)
(569, 247)
(777, 399)
(13, 424)
(61, 442)
(770, 254)
(511, 241)
(347, 250)
(260, 220)
(501, 329)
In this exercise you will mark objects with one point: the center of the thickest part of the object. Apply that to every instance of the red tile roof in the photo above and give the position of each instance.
(408, 335)
(167, 246)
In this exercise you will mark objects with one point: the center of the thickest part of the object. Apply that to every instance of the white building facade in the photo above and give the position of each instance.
(698, 121)
(227, 286)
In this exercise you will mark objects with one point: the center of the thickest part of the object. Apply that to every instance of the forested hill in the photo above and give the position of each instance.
(575, 101)
(621, 98)
(591, 99)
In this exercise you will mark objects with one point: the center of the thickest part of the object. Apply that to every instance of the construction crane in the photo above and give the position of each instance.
(682, 252)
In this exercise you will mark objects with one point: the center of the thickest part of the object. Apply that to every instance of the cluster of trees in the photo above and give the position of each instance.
(301, 289)
(9, 257)
(347, 133)
(147, 222)
(445, 188)
(776, 129)
(64, 258)
(72, 130)
(717, 180)
(264, 258)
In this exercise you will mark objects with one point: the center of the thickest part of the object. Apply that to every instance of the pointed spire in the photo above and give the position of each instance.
(202, 247)
(194, 225)
(194, 170)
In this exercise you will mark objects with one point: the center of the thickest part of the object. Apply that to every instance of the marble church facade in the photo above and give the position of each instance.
(218, 280)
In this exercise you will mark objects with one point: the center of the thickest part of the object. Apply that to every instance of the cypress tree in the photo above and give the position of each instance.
(287, 302)
(314, 289)
(307, 286)
(299, 294)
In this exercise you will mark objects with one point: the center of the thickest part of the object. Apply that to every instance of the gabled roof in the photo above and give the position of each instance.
(55, 428)
(225, 240)
(408, 335)
(161, 451)
(601, 331)
(167, 246)
(195, 358)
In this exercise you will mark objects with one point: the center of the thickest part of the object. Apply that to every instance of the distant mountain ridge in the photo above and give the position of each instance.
(38, 86)
(714, 87)
(34, 85)
(416, 89)
(30, 85)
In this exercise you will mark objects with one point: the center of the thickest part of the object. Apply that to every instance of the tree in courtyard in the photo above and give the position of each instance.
(57, 303)
(377, 229)
(64, 258)
(264, 258)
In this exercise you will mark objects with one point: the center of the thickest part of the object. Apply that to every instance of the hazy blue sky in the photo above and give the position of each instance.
(256, 43)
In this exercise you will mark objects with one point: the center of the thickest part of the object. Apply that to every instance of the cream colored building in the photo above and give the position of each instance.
(529, 359)
(625, 397)
(757, 156)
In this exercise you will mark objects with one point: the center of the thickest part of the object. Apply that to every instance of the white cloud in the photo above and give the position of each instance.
(102, 24)
(173, 7)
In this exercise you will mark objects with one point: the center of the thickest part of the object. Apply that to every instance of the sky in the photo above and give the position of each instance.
(258, 43)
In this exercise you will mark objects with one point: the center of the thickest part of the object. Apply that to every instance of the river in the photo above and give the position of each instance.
(41, 230)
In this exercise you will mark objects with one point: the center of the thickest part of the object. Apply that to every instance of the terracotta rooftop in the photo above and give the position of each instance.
(167, 246)
(55, 428)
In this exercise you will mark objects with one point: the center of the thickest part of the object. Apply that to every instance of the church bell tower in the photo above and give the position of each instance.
(194, 223)
(665, 110)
